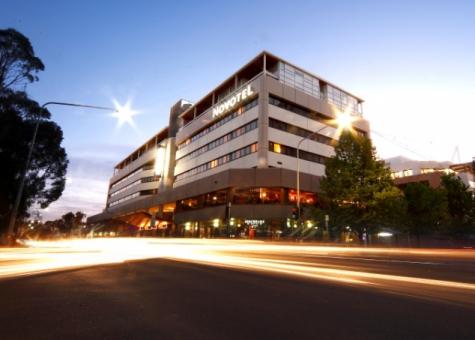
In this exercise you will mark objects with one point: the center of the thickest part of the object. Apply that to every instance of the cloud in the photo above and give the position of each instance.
(87, 180)
(100, 152)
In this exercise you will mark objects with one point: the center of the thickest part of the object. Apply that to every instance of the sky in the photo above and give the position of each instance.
(413, 62)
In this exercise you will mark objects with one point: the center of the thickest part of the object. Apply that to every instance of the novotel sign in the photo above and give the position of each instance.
(230, 103)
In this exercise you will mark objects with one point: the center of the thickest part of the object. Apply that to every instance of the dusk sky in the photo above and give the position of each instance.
(412, 62)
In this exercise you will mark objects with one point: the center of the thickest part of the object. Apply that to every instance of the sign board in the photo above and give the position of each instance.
(254, 223)
(230, 103)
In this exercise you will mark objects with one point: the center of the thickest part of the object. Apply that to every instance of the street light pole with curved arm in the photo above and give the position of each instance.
(13, 216)
(298, 169)
(343, 121)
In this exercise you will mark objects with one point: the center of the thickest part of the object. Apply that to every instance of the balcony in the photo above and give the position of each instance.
(145, 158)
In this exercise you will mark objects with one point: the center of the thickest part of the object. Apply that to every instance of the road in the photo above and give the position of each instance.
(222, 289)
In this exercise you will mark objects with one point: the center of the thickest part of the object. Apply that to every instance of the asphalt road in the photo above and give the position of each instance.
(243, 291)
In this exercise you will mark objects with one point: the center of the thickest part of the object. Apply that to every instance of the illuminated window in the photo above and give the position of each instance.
(215, 198)
(170, 207)
(305, 197)
(219, 161)
(189, 204)
(292, 152)
(257, 196)
(219, 123)
(217, 142)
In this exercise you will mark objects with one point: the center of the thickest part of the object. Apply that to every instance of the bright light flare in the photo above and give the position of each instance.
(124, 113)
(344, 120)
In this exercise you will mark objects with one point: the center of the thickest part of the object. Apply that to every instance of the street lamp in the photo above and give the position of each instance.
(13, 216)
(344, 121)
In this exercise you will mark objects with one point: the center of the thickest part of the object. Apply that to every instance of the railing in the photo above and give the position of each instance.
(222, 100)
(148, 153)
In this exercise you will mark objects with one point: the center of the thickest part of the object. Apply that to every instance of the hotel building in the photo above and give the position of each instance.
(229, 161)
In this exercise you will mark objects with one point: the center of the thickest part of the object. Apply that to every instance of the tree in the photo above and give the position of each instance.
(426, 208)
(70, 222)
(460, 205)
(79, 218)
(358, 187)
(18, 63)
(45, 178)
(389, 209)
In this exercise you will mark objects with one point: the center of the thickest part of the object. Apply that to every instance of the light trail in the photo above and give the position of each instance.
(253, 256)
(374, 260)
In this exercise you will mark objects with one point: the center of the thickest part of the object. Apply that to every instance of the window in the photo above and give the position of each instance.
(270, 195)
(135, 194)
(305, 197)
(219, 123)
(133, 173)
(215, 198)
(133, 184)
(286, 105)
(292, 152)
(189, 204)
(221, 140)
(342, 100)
(277, 124)
(123, 199)
(257, 196)
(309, 84)
(293, 77)
(219, 161)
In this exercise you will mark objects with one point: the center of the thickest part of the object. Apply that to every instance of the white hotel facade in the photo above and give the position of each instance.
(228, 162)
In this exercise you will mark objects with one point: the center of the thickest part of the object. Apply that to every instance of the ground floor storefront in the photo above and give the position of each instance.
(243, 228)
(250, 203)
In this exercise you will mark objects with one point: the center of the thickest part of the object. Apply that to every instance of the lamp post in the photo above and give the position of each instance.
(343, 121)
(228, 226)
(13, 216)
(298, 170)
